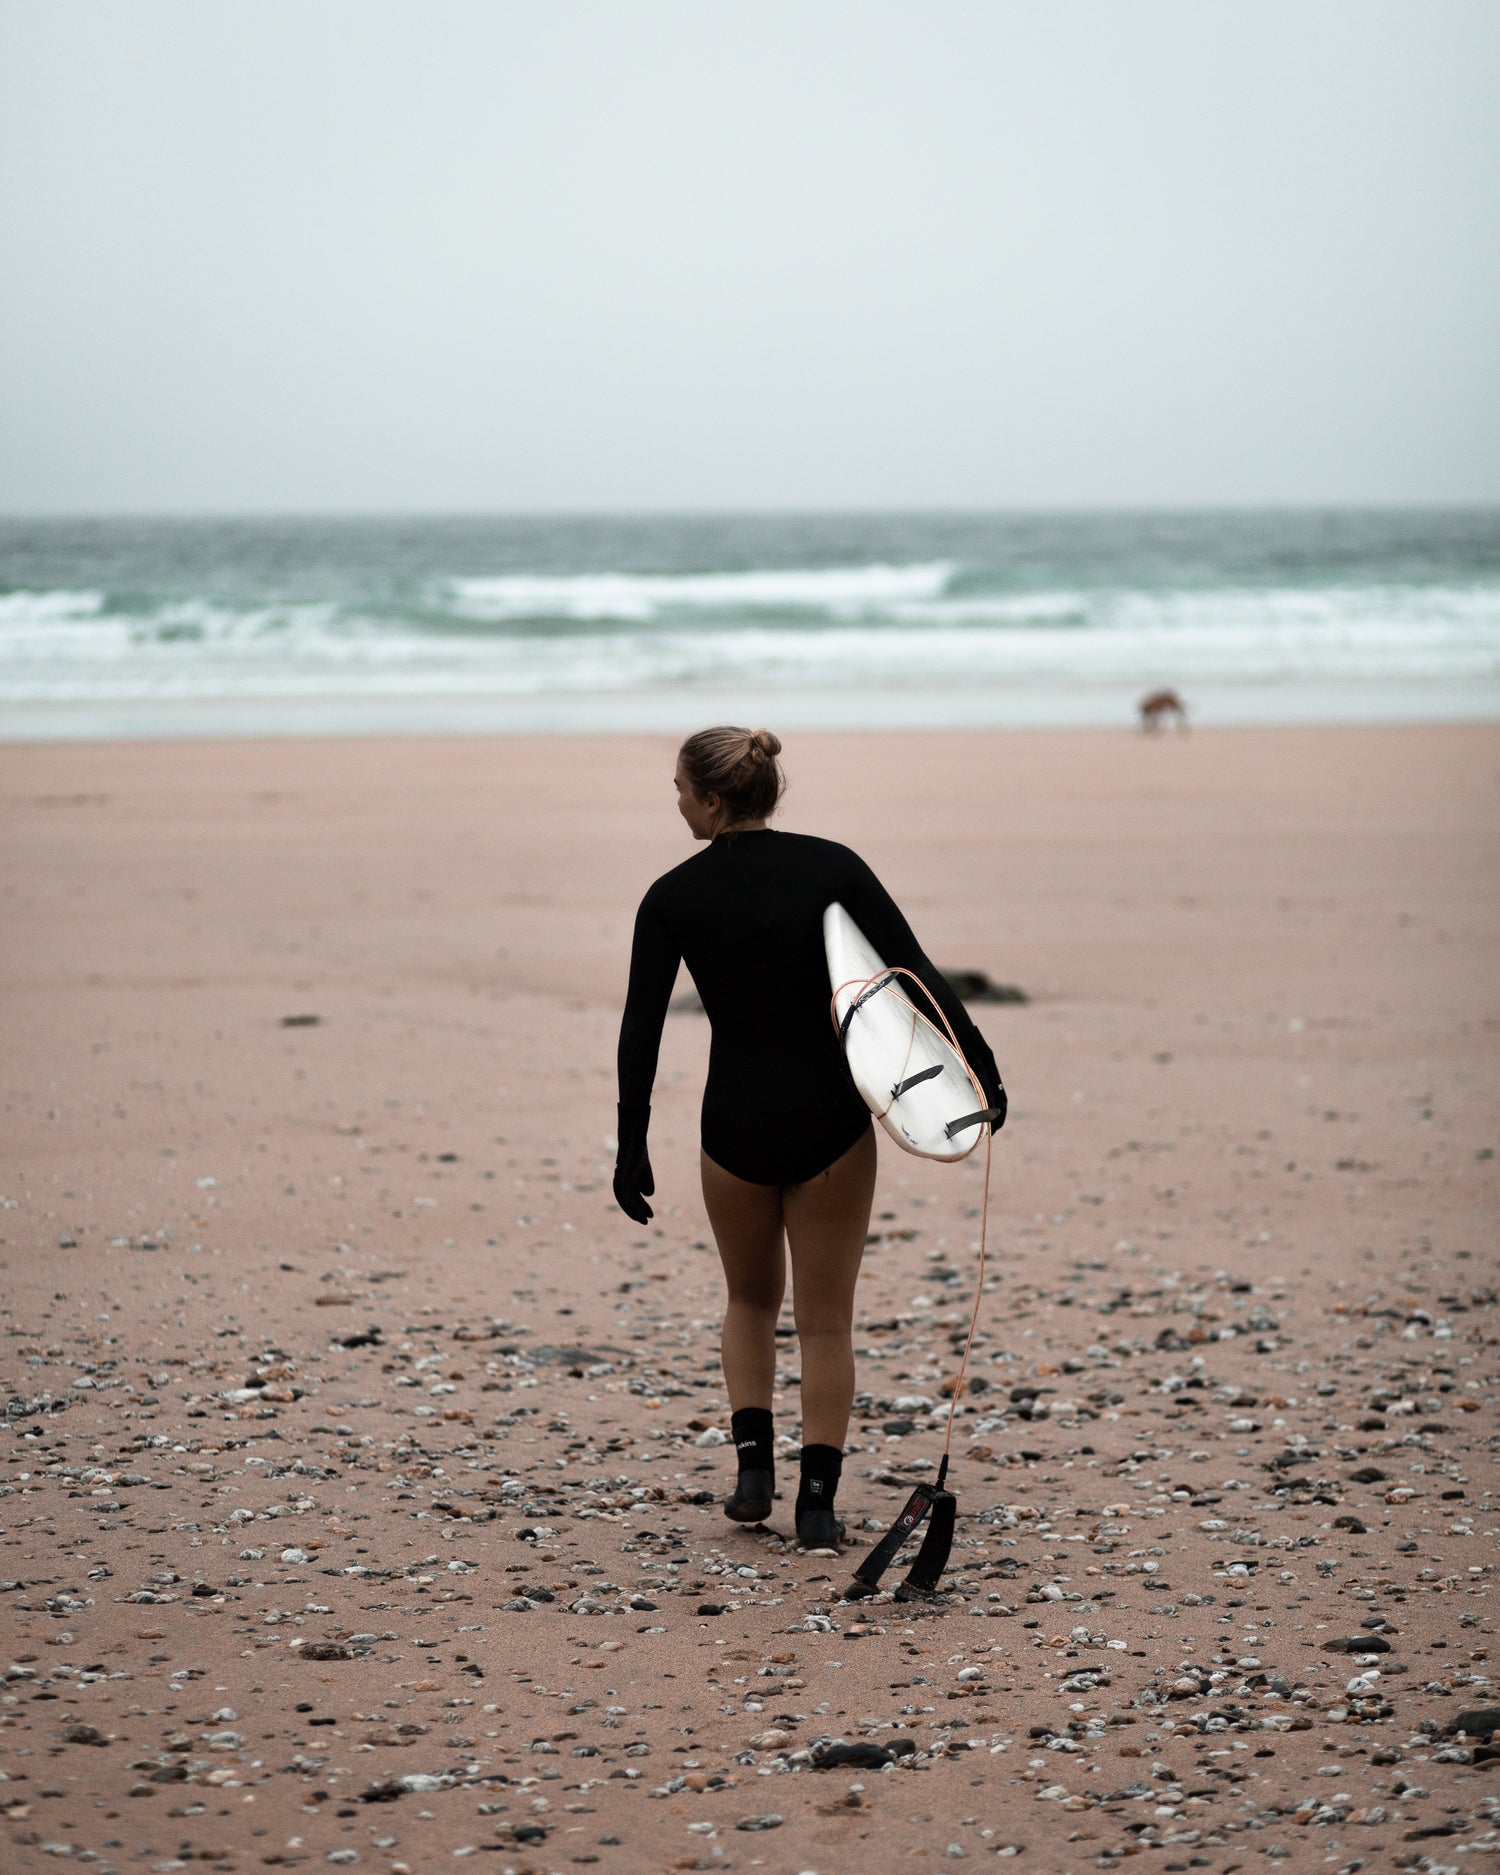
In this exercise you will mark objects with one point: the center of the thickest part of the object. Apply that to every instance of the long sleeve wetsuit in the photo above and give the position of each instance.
(746, 916)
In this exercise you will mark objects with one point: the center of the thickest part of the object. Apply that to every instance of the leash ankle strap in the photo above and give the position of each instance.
(932, 1501)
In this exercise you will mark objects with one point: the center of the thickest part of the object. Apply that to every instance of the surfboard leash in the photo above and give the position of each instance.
(933, 1504)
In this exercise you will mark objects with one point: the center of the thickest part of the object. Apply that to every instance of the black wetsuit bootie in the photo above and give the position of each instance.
(751, 1429)
(817, 1527)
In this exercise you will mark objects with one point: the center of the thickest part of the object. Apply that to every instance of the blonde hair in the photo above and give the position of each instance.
(738, 765)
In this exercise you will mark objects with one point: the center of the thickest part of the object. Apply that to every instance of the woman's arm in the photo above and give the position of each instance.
(876, 913)
(654, 957)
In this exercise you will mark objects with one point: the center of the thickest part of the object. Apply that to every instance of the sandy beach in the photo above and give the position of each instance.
(364, 1463)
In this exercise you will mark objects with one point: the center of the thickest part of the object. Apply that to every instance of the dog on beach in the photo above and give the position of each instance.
(1156, 706)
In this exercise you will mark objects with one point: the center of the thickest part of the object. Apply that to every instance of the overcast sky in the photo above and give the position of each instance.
(478, 254)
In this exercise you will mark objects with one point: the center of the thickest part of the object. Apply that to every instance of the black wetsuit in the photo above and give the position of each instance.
(746, 916)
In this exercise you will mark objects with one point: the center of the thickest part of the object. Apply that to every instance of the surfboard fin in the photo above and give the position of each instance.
(916, 1080)
(873, 988)
(932, 1502)
(973, 1119)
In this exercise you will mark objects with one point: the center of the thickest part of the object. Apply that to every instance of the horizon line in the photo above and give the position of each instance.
(755, 511)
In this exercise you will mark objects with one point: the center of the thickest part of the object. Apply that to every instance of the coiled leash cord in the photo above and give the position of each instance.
(934, 1503)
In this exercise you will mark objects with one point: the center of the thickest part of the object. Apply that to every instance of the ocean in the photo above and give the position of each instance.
(266, 626)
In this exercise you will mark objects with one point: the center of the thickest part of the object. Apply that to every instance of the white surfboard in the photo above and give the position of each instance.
(907, 1071)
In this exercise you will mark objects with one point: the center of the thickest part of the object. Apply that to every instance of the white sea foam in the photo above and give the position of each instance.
(41, 608)
(62, 645)
(839, 591)
(846, 619)
(1224, 608)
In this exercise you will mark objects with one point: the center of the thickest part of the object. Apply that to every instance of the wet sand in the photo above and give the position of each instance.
(364, 1464)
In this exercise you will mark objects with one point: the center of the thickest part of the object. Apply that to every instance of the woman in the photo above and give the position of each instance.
(788, 1151)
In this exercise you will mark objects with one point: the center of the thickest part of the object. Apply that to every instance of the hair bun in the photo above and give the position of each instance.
(739, 765)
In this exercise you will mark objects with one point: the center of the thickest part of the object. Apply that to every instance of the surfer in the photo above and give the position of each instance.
(788, 1151)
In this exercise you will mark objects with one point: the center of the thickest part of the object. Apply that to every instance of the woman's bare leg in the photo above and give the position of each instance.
(746, 1221)
(827, 1219)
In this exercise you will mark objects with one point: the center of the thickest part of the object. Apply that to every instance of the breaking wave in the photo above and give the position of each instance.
(958, 607)
(833, 593)
(74, 644)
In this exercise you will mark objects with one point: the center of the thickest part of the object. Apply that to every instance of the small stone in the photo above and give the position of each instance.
(759, 1822)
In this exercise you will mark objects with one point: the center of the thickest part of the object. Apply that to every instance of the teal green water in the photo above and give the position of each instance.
(1048, 605)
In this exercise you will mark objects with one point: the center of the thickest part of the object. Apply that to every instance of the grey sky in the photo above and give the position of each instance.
(345, 254)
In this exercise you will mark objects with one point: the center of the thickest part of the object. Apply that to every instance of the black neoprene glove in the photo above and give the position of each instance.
(634, 1181)
(994, 1094)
